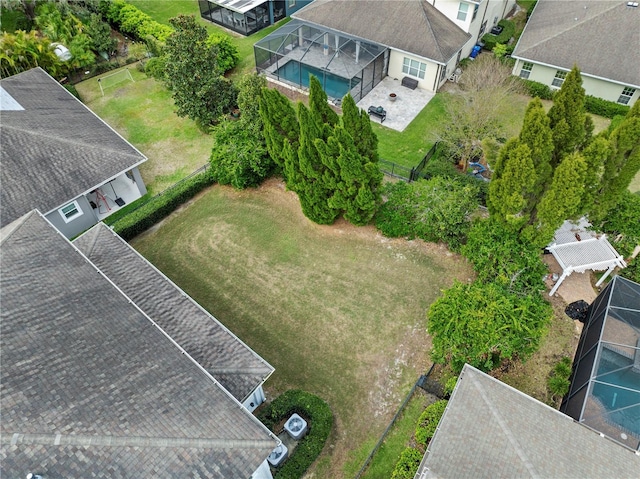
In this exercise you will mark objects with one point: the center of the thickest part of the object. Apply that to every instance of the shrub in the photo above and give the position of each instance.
(632, 271)
(485, 325)
(228, 56)
(407, 464)
(558, 382)
(428, 421)
(449, 386)
(131, 20)
(155, 67)
(72, 89)
(437, 209)
(608, 109)
(499, 255)
(508, 31)
(538, 90)
(622, 225)
(161, 206)
(320, 423)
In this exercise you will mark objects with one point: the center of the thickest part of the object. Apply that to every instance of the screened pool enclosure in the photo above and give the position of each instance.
(605, 385)
(343, 64)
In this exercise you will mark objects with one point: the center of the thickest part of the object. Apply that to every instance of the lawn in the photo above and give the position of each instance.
(339, 311)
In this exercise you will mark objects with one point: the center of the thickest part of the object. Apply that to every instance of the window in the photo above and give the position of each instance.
(559, 78)
(413, 67)
(462, 11)
(526, 70)
(70, 211)
(292, 3)
(625, 96)
(475, 11)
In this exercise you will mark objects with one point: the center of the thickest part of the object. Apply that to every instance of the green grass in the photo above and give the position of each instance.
(400, 436)
(338, 311)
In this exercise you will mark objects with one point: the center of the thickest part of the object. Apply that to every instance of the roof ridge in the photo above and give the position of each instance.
(83, 440)
(571, 27)
(423, 5)
(140, 157)
(7, 230)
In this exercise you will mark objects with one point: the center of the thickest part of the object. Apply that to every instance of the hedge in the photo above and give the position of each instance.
(131, 20)
(537, 89)
(407, 464)
(320, 423)
(508, 31)
(429, 420)
(608, 109)
(161, 206)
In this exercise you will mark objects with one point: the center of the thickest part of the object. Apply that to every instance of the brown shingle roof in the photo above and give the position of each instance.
(55, 149)
(412, 26)
(92, 388)
(601, 37)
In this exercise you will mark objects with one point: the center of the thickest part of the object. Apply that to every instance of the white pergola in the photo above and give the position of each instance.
(578, 249)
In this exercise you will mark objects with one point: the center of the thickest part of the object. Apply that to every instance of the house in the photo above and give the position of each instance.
(96, 384)
(492, 430)
(248, 16)
(600, 37)
(605, 384)
(59, 157)
(352, 45)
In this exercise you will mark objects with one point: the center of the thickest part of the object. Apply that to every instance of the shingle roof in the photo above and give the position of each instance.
(238, 368)
(601, 37)
(492, 430)
(55, 149)
(92, 388)
(413, 26)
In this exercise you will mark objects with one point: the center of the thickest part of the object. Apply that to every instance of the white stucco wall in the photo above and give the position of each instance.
(395, 69)
(601, 88)
(263, 472)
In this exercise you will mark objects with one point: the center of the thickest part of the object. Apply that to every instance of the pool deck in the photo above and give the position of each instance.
(407, 105)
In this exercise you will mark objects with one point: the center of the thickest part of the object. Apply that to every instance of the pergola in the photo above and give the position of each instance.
(576, 248)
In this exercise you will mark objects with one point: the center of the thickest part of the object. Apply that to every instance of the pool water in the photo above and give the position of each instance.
(334, 86)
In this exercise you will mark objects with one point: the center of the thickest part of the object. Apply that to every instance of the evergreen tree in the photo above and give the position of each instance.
(358, 124)
(621, 164)
(568, 118)
(319, 107)
(536, 134)
(594, 155)
(560, 202)
(510, 190)
(280, 125)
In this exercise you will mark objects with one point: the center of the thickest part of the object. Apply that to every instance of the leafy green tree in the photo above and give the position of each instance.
(23, 51)
(100, 34)
(199, 90)
(561, 201)
(568, 118)
(485, 326)
(621, 164)
(621, 224)
(357, 123)
(512, 185)
(280, 126)
(228, 56)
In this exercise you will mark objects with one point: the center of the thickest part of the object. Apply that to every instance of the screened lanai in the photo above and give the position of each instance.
(342, 63)
(605, 384)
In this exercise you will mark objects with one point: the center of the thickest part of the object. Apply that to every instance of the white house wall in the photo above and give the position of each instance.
(604, 89)
(395, 69)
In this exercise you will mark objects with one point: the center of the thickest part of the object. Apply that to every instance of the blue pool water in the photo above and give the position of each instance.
(334, 86)
(623, 402)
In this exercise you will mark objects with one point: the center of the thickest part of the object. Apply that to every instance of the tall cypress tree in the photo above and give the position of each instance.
(319, 107)
(536, 134)
(358, 124)
(567, 117)
(280, 124)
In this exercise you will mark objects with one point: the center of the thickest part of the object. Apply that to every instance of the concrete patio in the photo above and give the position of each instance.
(407, 105)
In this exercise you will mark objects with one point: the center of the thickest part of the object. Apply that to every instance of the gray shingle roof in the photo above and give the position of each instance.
(492, 430)
(413, 26)
(91, 388)
(55, 149)
(601, 37)
(223, 355)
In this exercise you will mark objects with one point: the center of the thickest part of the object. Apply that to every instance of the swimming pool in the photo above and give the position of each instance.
(334, 85)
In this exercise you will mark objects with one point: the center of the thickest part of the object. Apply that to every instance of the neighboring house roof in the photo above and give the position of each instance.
(92, 388)
(601, 37)
(238, 368)
(492, 430)
(412, 26)
(55, 148)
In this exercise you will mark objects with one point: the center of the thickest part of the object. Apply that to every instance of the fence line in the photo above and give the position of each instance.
(405, 173)
(418, 383)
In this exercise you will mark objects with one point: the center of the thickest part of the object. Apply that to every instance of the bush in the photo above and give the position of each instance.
(428, 422)
(608, 109)
(438, 209)
(485, 325)
(498, 255)
(228, 56)
(320, 424)
(558, 383)
(509, 30)
(72, 89)
(155, 67)
(632, 271)
(622, 225)
(538, 90)
(161, 206)
(407, 464)
(131, 20)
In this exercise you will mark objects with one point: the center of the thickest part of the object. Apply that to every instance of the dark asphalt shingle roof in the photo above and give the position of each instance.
(413, 26)
(601, 37)
(492, 430)
(55, 149)
(238, 368)
(92, 388)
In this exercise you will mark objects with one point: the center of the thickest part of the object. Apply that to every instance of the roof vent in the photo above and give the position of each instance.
(632, 4)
